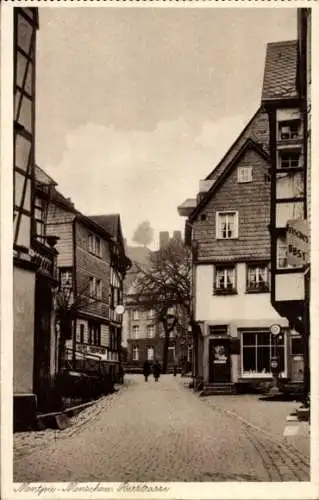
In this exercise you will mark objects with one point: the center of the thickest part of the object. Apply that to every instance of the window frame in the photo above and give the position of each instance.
(294, 152)
(225, 291)
(135, 353)
(135, 328)
(136, 315)
(289, 123)
(153, 331)
(226, 213)
(244, 174)
(263, 287)
(257, 331)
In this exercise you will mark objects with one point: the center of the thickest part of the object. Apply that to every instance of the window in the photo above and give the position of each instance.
(289, 160)
(39, 215)
(289, 130)
(258, 347)
(66, 278)
(94, 334)
(150, 353)
(136, 331)
(90, 243)
(99, 289)
(289, 185)
(82, 334)
(171, 354)
(225, 279)
(94, 244)
(244, 174)
(151, 314)
(257, 278)
(281, 253)
(135, 353)
(172, 334)
(297, 346)
(92, 286)
(136, 315)
(150, 331)
(97, 246)
(226, 225)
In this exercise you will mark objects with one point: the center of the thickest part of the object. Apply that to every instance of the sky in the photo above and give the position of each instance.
(136, 105)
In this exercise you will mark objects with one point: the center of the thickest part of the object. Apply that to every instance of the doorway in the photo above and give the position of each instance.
(219, 361)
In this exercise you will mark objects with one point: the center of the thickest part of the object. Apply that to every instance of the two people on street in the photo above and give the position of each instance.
(156, 369)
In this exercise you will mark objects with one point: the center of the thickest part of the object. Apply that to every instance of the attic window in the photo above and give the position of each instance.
(203, 217)
(244, 174)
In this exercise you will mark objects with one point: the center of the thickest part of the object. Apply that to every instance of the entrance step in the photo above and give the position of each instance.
(218, 389)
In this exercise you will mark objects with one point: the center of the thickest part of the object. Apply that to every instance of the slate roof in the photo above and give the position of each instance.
(280, 76)
(111, 223)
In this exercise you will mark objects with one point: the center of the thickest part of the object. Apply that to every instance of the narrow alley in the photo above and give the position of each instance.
(159, 432)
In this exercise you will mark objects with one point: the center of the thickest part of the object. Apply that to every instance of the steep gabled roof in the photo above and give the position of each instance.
(250, 144)
(257, 129)
(110, 222)
(280, 76)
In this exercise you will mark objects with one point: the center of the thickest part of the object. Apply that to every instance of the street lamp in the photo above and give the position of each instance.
(275, 330)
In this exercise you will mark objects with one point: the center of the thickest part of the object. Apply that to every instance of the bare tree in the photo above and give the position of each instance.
(165, 285)
(144, 233)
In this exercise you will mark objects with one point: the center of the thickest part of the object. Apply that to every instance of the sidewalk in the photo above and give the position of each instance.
(269, 416)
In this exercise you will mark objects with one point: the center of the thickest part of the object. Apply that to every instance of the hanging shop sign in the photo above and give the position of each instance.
(297, 243)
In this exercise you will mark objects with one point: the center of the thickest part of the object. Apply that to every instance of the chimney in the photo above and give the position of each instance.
(204, 187)
(163, 239)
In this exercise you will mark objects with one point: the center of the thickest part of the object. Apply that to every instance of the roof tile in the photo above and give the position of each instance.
(280, 76)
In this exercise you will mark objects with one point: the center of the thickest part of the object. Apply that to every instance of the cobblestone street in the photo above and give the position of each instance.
(156, 432)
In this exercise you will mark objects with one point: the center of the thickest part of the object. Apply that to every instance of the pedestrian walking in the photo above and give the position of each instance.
(156, 370)
(175, 370)
(146, 370)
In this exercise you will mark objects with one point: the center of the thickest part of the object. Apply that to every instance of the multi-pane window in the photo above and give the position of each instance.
(135, 331)
(39, 216)
(150, 353)
(226, 225)
(94, 244)
(150, 331)
(244, 174)
(94, 334)
(289, 185)
(66, 278)
(225, 279)
(281, 253)
(257, 278)
(136, 315)
(258, 347)
(289, 159)
(151, 314)
(135, 353)
(288, 130)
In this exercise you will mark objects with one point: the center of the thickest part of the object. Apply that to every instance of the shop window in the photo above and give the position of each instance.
(257, 350)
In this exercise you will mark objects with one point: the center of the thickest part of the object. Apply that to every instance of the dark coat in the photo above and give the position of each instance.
(156, 370)
(146, 368)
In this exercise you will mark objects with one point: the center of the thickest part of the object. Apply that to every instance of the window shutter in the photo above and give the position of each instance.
(236, 224)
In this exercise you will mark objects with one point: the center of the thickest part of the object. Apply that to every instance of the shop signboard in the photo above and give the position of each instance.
(297, 243)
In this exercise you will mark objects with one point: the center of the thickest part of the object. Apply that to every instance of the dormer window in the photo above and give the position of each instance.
(244, 174)
(289, 130)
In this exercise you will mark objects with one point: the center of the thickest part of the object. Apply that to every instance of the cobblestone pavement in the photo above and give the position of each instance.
(155, 432)
(268, 415)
